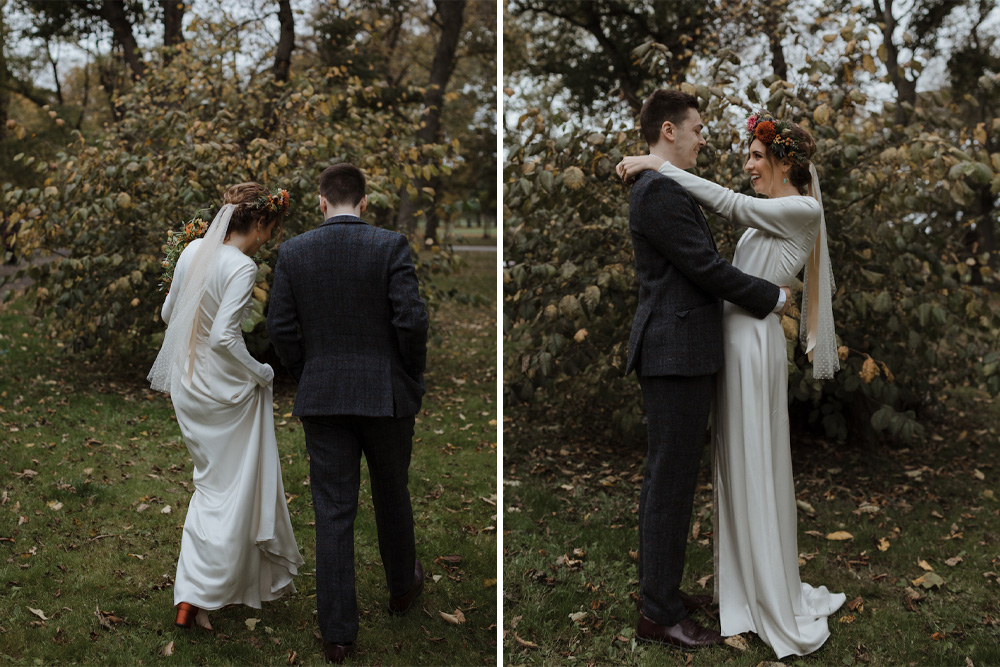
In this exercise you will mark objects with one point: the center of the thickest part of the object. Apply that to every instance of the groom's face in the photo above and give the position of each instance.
(688, 140)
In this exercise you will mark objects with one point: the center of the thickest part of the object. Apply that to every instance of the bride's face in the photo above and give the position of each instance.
(759, 168)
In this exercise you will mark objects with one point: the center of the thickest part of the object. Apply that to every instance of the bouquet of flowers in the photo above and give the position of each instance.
(176, 242)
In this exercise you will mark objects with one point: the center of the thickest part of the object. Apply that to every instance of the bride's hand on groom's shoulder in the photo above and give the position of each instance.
(632, 165)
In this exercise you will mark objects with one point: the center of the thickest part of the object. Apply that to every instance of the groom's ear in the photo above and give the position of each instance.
(667, 130)
(363, 203)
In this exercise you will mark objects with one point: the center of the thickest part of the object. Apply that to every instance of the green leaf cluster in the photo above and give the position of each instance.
(911, 299)
(187, 132)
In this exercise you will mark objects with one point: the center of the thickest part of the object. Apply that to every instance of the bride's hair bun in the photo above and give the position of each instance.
(247, 215)
(799, 173)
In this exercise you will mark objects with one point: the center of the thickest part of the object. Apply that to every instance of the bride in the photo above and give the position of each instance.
(237, 545)
(758, 586)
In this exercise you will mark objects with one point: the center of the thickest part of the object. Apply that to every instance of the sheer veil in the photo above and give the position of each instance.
(178, 342)
(816, 329)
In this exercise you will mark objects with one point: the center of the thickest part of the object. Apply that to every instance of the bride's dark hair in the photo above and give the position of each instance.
(798, 175)
(247, 215)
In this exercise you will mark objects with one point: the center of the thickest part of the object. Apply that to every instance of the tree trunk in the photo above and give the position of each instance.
(55, 72)
(113, 14)
(286, 41)
(173, 22)
(4, 77)
(450, 14)
(906, 90)
(778, 63)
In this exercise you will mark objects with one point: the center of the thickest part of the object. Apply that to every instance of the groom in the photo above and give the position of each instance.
(676, 349)
(348, 322)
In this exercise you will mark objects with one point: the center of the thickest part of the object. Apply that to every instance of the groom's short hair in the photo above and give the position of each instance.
(342, 183)
(663, 105)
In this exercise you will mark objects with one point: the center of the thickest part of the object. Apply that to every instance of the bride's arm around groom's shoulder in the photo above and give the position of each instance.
(783, 216)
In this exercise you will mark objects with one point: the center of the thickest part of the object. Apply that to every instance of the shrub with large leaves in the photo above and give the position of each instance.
(188, 131)
(909, 317)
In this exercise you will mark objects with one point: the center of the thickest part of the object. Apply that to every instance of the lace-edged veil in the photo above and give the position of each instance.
(178, 342)
(816, 329)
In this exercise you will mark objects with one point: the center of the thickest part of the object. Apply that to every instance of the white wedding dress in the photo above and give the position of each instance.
(757, 584)
(237, 545)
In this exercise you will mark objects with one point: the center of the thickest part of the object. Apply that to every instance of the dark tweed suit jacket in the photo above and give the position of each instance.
(347, 320)
(677, 328)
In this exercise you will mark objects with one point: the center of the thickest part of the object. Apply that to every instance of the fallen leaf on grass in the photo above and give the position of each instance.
(924, 565)
(489, 582)
(142, 507)
(840, 535)
(39, 613)
(292, 657)
(22, 520)
(979, 474)
(106, 618)
(524, 642)
(857, 604)
(436, 578)
(53, 505)
(704, 580)
(27, 473)
(737, 642)
(937, 636)
(165, 510)
(847, 619)
(251, 623)
(458, 618)
(577, 616)
(952, 562)
(815, 533)
(805, 507)
(929, 580)
(167, 650)
(883, 544)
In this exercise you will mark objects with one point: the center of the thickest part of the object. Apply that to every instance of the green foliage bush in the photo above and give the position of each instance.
(913, 308)
(188, 131)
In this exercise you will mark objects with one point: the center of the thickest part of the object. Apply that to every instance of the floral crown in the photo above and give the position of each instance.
(775, 133)
(272, 202)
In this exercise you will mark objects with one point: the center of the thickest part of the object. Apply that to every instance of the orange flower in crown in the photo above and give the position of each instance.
(273, 201)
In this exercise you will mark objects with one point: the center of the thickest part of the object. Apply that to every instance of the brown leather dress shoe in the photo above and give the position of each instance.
(337, 653)
(401, 605)
(687, 634)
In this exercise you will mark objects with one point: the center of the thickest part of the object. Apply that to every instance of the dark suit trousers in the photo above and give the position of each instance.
(335, 446)
(677, 411)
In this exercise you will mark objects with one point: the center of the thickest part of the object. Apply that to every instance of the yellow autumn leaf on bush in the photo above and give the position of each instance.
(869, 370)
(573, 178)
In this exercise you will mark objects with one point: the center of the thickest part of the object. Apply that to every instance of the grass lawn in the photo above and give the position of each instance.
(920, 566)
(96, 481)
